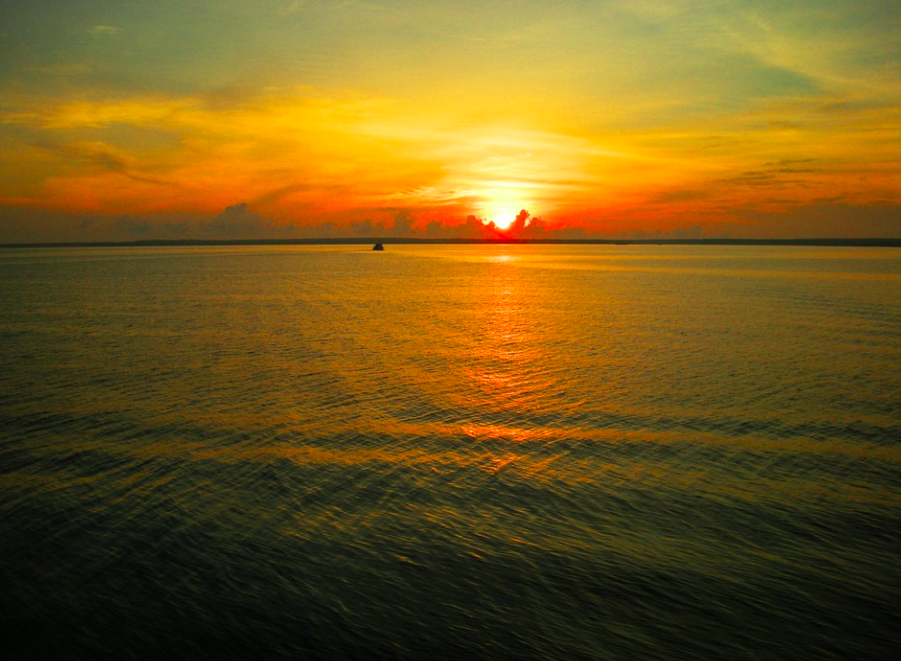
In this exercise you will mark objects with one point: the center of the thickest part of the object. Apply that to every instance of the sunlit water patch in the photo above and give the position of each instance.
(457, 451)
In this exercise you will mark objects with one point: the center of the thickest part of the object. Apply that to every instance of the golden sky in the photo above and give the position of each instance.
(683, 118)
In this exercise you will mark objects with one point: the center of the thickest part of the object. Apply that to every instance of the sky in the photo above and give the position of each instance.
(124, 120)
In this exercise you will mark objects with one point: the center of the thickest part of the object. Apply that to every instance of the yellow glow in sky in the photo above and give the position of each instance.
(682, 118)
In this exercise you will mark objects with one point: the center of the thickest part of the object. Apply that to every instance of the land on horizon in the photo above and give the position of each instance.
(833, 242)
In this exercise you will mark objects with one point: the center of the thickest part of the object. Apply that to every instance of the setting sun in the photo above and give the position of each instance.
(503, 219)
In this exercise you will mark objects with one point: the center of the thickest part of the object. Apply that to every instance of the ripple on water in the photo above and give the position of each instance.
(571, 452)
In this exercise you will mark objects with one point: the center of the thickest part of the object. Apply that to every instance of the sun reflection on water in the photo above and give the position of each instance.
(504, 359)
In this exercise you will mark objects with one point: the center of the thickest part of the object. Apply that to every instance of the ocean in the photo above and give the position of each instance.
(450, 452)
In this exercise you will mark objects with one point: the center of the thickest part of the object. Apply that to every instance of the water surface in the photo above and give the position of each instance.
(545, 452)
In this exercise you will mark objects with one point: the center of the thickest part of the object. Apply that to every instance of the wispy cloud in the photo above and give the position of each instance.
(98, 31)
(62, 70)
(290, 8)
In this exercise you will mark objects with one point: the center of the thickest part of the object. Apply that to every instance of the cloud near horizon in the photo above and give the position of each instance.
(240, 222)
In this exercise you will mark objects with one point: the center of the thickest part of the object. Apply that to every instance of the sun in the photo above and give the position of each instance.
(504, 212)
(503, 219)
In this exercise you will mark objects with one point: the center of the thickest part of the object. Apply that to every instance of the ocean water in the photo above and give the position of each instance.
(460, 452)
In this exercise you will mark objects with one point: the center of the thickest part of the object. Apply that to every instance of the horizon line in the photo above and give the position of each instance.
(880, 242)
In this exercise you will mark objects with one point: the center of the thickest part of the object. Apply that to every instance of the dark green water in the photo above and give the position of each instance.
(473, 452)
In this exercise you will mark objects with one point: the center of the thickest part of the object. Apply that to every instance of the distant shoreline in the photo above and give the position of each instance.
(851, 243)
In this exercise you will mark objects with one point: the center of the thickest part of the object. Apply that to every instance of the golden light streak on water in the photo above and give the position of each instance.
(465, 451)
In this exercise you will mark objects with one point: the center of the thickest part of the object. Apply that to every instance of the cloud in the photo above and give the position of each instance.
(472, 227)
(275, 195)
(832, 219)
(518, 226)
(100, 156)
(290, 8)
(99, 31)
(295, 154)
(680, 195)
(62, 70)
(403, 224)
(239, 222)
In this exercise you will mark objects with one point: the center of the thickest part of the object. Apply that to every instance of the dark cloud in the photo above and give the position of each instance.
(281, 192)
(682, 195)
(776, 174)
(403, 224)
(519, 225)
(832, 219)
(238, 222)
(35, 225)
(527, 226)
(99, 157)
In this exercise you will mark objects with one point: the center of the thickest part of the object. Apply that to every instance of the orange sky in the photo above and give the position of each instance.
(608, 119)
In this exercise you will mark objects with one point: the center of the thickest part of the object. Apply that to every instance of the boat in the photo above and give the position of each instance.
(378, 246)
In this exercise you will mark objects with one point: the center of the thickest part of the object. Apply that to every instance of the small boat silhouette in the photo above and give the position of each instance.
(378, 246)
